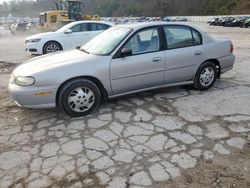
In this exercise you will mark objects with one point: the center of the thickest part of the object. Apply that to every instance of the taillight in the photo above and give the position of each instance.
(231, 48)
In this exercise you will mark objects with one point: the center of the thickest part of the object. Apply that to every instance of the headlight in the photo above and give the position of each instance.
(24, 80)
(32, 40)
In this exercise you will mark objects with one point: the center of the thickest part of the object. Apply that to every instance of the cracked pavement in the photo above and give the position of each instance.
(142, 140)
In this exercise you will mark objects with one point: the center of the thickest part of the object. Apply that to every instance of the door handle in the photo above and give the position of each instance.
(156, 59)
(198, 53)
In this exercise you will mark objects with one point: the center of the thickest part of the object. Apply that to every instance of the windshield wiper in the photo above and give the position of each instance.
(81, 49)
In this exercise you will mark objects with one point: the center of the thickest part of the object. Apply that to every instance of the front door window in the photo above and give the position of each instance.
(144, 42)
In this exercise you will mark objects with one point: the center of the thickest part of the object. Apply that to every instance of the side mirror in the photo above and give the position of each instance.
(68, 31)
(126, 52)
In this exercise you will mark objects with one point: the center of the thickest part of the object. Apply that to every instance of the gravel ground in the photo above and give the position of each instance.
(175, 137)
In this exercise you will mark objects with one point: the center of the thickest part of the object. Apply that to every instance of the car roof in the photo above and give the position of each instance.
(141, 25)
(89, 21)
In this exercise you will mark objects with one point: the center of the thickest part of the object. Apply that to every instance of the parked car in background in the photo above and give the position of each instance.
(19, 27)
(236, 22)
(31, 25)
(224, 20)
(122, 60)
(214, 21)
(219, 23)
(228, 22)
(182, 19)
(166, 19)
(241, 21)
(69, 36)
(246, 22)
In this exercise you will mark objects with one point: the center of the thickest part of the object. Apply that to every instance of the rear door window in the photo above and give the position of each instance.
(181, 36)
(80, 27)
(98, 27)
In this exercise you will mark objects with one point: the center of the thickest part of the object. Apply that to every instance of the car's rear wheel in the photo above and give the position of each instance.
(51, 47)
(206, 76)
(79, 97)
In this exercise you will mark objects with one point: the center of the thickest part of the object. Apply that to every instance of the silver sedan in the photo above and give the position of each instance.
(122, 60)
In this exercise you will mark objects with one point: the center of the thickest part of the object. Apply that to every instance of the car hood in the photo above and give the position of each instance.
(41, 35)
(52, 61)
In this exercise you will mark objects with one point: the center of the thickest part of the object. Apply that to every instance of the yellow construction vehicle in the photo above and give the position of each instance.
(66, 11)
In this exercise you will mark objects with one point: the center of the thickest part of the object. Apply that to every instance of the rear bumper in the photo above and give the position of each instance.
(226, 63)
(33, 97)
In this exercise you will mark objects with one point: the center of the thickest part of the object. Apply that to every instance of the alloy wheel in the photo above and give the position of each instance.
(52, 48)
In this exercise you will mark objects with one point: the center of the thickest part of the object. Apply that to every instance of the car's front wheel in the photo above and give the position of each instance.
(51, 47)
(206, 76)
(79, 97)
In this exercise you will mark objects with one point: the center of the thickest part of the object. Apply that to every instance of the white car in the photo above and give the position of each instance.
(69, 36)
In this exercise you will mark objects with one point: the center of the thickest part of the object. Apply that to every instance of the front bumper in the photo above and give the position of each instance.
(34, 48)
(33, 97)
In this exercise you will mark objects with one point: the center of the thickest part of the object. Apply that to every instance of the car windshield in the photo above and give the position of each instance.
(106, 42)
(64, 28)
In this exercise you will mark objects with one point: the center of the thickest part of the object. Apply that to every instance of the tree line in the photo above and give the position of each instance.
(134, 7)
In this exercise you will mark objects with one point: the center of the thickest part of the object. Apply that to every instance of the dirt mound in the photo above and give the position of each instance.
(224, 172)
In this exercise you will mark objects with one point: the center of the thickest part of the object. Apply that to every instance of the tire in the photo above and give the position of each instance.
(79, 97)
(205, 76)
(51, 47)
